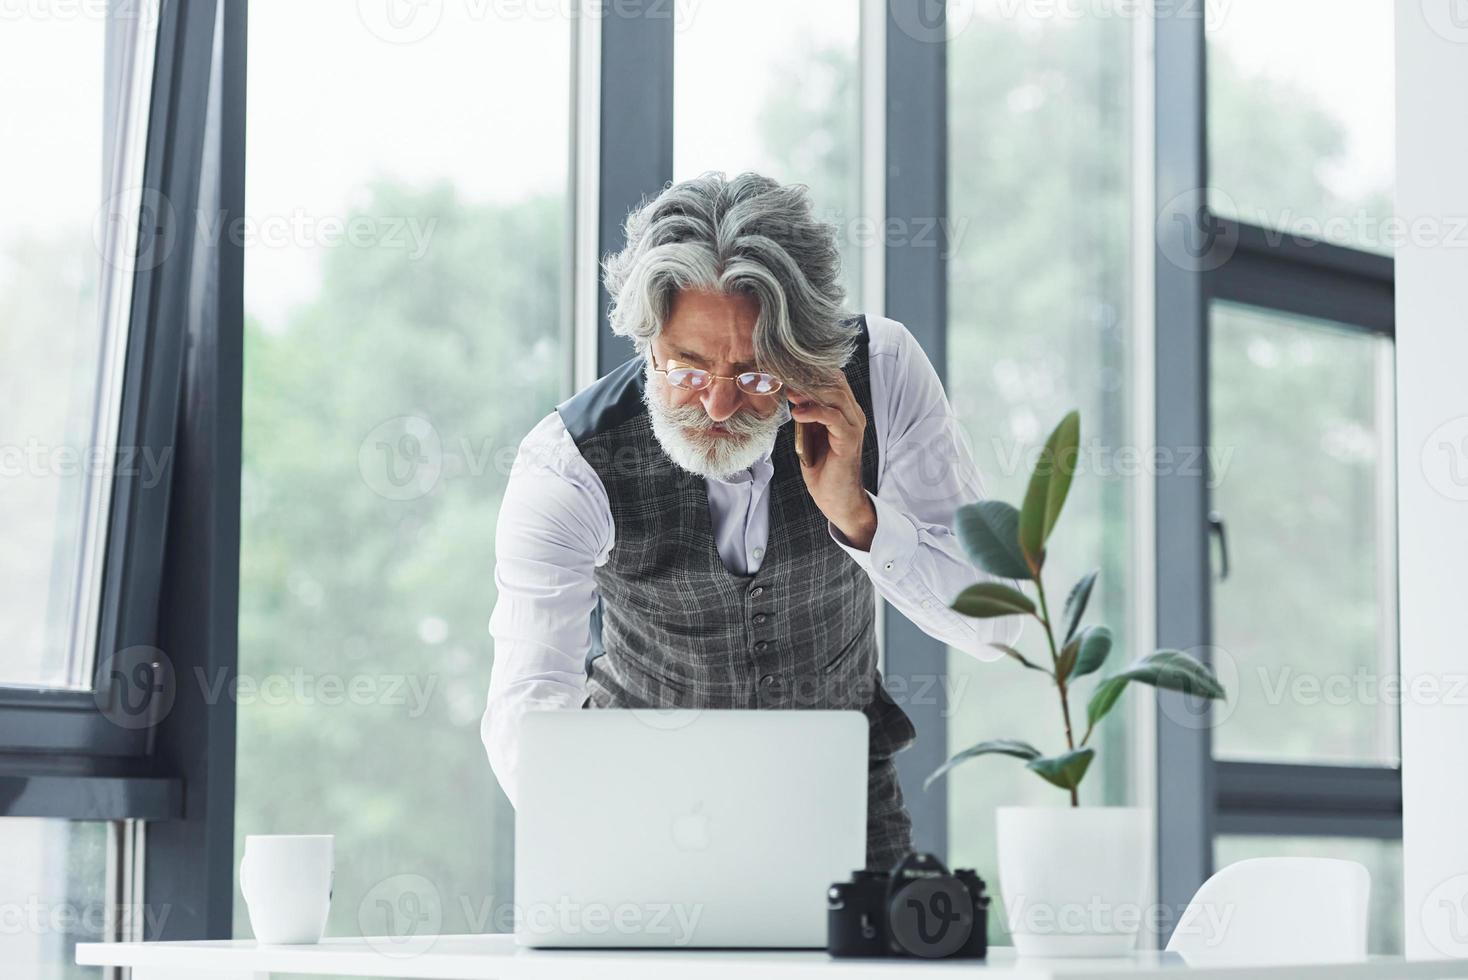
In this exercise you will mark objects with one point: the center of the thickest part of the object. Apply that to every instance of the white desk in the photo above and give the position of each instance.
(478, 957)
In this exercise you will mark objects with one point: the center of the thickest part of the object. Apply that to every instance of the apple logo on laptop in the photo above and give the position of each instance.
(691, 829)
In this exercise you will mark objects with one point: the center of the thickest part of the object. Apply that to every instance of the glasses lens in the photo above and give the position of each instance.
(759, 384)
(690, 378)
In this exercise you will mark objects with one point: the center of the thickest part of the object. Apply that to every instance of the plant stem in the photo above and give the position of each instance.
(1070, 742)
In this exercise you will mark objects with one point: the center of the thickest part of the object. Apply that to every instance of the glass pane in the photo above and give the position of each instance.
(1300, 118)
(53, 894)
(1304, 626)
(65, 91)
(1382, 858)
(406, 198)
(773, 86)
(1040, 136)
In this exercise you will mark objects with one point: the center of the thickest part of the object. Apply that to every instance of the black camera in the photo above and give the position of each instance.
(916, 909)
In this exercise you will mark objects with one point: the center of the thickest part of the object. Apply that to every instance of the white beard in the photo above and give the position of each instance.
(683, 433)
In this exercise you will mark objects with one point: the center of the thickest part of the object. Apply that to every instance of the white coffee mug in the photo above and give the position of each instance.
(287, 883)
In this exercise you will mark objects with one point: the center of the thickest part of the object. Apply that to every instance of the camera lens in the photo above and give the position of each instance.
(931, 917)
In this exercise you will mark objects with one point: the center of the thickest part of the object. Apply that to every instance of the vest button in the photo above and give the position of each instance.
(768, 681)
(759, 619)
(757, 591)
(762, 646)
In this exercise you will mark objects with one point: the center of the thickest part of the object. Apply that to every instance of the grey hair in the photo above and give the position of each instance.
(751, 235)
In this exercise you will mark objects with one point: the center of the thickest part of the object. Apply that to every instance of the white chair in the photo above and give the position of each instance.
(1278, 910)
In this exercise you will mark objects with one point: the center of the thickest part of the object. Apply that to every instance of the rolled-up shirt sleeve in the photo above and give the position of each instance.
(554, 528)
(926, 473)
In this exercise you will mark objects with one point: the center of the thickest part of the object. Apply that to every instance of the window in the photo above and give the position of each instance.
(75, 101)
(1303, 478)
(772, 86)
(404, 293)
(1276, 357)
(1300, 118)
(54, 894)
(1040, 323)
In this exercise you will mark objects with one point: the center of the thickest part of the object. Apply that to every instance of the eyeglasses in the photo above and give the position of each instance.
(697, 379)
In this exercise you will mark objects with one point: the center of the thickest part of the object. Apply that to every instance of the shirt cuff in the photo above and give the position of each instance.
(893, 544)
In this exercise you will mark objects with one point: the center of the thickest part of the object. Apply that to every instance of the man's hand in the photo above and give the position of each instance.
(834, 426)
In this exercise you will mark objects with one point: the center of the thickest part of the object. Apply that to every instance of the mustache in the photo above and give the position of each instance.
(741, 425)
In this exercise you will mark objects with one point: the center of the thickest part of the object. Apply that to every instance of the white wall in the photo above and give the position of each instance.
(1432, 447)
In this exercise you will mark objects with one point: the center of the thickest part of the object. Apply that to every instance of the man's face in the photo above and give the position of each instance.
(722, 429)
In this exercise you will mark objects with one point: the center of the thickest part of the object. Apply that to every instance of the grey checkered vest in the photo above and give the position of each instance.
(676, 628)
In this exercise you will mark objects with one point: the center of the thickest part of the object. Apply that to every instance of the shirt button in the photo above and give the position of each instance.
(888, 566)
(757, 591)
(927, 604)
(759, 552)
(762, 646)
(759, 619)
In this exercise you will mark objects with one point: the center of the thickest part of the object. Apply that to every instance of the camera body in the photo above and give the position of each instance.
(918, 908)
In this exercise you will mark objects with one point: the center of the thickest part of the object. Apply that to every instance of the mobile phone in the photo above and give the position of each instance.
(800, 439)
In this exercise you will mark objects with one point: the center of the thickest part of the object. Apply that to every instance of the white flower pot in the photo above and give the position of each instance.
(1073, 879)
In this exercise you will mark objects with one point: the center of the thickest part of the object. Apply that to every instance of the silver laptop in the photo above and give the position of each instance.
(682, 828)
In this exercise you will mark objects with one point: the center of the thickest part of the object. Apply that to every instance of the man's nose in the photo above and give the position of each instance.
(722, 400)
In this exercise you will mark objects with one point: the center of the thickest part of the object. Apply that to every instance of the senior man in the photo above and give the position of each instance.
(661, 543)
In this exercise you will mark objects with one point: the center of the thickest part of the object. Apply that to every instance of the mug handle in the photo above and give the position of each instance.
(244, 879)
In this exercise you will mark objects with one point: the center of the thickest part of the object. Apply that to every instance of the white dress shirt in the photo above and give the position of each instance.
(555, 527)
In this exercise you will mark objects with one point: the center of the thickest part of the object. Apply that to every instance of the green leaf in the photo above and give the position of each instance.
(1169, 669)
(989, 533)
(1011, 651)
(1067, 659)
(1065, 771)
(1095, 645)
(995, 746)
(1177, 671)
(1104, 697)
(1049, 485)
(986, 600)
(1075, 603)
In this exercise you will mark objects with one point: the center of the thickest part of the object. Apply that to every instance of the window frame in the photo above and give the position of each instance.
(1200, 797)
(170, 570)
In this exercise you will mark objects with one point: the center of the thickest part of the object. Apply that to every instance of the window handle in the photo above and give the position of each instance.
(1217, 528)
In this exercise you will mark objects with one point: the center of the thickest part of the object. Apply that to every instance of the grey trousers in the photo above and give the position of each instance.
(889, 825)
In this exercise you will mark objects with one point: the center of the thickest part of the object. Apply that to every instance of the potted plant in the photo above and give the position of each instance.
(1073, 878)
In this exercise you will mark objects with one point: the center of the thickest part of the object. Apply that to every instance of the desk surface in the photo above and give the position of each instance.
(474, 957)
